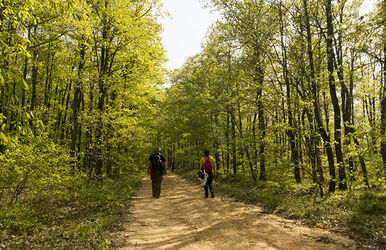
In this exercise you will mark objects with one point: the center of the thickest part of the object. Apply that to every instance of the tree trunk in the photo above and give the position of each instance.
(334, 98)
(234, 151)
(66, 111)
(25, 72)
(227, 142)
(34, 77)
(244, 146)
(216, 144)
(291, 132)
(76, 105)
(316, 106)
(46, 89)
(254, 143)
(103, 73)
(383, 104)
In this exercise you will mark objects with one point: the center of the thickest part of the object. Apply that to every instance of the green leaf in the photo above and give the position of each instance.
(25, 85)
(1, 80)
(3, 138)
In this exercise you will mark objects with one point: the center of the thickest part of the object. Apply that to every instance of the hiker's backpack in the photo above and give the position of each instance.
(156, 162)
(208, 166)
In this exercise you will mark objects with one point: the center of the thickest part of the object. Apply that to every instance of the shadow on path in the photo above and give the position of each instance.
(183, 219)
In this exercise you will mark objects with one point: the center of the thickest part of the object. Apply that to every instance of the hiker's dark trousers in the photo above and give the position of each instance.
(156, 183)
(208, 184)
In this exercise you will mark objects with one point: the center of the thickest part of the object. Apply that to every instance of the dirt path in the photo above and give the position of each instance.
(183, 219)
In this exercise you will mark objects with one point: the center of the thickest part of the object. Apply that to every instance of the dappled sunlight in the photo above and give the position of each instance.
(183, 219)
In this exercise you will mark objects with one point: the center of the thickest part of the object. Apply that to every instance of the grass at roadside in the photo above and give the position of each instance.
(360, 213)
(78, 216)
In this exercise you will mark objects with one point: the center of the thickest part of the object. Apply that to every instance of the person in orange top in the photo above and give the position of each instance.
(208, 163)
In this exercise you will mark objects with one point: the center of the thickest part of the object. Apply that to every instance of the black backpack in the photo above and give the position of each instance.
(156, 162)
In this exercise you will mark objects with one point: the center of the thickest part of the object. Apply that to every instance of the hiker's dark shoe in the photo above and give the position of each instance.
(212, 194)
(206, 196)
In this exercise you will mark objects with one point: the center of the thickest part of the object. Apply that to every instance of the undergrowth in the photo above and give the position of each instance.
(359, 213)
(77, 216)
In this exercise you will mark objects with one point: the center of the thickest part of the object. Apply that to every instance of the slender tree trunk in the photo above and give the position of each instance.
(103, 73)
(345, 94)
(14, 103)
(349, 125)
(227, 141)
(34, 80)
(46, 89)
(261, 124)
(291, 132)
(34, 77)
(216, 143)
(383, 102)
(76, 105)
(99, 132)
(313, 148)
(66, 111)
(234, 151)
(244, 146)
(88, 161)
(4, 91)
(2, 17)
(49, 92)
(258, 80)
(319, 160)
(316, 106)
(25, 72)
(79, 146)
(334, 98)
(263, 175)
(254, 143)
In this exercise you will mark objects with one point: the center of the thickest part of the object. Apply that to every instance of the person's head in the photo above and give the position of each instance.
(157, 149)
(206, 152)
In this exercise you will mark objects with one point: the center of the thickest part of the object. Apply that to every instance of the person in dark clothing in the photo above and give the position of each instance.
(156, 169)
(173, 166)
(208, 163)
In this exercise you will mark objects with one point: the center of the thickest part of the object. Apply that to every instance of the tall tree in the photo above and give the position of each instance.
(334, 98)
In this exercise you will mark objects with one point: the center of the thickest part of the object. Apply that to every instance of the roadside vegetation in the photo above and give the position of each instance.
(358, 214)
(75, 214)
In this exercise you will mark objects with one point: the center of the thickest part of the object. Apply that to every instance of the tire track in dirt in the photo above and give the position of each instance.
(183, 219)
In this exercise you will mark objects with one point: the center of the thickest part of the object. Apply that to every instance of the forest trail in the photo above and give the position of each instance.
(183, 219)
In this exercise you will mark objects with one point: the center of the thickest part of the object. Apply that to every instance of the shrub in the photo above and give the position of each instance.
(31, 169)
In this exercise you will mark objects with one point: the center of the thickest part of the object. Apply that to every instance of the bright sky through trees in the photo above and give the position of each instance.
(185, 29)
(367, 6)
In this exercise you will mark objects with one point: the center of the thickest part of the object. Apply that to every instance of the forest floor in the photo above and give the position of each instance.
(183, 219)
